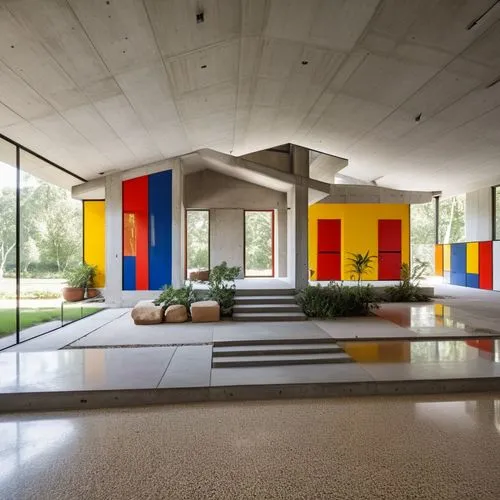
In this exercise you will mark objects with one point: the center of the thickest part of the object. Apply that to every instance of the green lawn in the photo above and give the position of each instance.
(31, 317)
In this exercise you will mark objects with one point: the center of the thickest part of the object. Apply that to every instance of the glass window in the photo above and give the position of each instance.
(8, 264)
(197, 241)
(50, 244)
(423, 233)
(452, 219)
(496, 226)
(259, 243)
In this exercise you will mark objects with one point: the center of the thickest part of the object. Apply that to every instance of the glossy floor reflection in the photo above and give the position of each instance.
(439, 320)
(341, 448)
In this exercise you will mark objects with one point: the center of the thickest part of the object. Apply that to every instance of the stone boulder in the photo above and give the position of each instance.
(205, 311)
(176, 314)
(148, 315)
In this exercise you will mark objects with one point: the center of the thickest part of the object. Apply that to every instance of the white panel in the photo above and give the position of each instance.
(447, 276)
(478, 214)
(496, 265)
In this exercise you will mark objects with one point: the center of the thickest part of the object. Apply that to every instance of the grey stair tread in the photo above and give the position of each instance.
(269, 291)
(271, 306)
(283, 359)
(261, 308)
(263, 298)
(271, 341)
(270, 316)
(269, 349)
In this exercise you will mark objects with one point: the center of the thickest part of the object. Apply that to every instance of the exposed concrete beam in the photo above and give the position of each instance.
(342, 193)
(91, 190)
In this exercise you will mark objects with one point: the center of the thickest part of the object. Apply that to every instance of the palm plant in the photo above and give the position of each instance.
(360, 264)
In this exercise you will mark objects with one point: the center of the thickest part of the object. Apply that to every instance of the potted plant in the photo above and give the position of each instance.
(79, 280)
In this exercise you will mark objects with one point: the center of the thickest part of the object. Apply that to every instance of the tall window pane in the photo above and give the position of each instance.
(7, 244)
(259, 243)
(423, 233)
(497, 212)
(197, 240)
(452, 219)
(50, 244)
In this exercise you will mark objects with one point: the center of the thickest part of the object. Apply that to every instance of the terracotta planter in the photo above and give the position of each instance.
(92, 293)
(71, 294)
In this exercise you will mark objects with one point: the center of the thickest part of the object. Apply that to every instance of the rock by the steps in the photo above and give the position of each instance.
(205, 311)
(148, 315)
(176, 314)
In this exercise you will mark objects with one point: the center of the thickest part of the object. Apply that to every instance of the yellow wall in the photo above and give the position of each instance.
(94, 238)
(359, 231)
(447, 257)
(473, 258)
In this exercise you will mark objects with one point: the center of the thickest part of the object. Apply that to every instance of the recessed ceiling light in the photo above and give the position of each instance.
(200, 17)
(305, 63)
(203, 66)
(418, 117)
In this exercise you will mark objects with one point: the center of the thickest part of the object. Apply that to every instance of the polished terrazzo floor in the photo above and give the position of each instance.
(385, 448)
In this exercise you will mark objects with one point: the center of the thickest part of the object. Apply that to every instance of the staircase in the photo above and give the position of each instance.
(267, 305)
(248, 353)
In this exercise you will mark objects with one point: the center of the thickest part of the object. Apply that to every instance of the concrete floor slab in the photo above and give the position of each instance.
(83, 369)
(361, 327)
(190, 367)
(124, 332)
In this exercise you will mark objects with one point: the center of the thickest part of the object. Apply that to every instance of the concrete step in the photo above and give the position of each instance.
(267, 299)
(266, 308)
(268, 341)
(280, 360)
(270, 316)
(275, 349)
(264, 291)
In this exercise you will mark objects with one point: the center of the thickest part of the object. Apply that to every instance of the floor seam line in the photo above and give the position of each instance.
(168, 364)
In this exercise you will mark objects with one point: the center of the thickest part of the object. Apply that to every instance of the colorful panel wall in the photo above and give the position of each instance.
(469, 264)
(94, 238)
(147, 232)
(359, 232)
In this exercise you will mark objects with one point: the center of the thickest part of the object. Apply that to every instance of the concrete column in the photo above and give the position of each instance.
(177, 226)
(281, 217)
(300, 198)
(113, 290)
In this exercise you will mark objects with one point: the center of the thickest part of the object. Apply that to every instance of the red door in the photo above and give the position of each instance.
(486, 265)
(328, 266)
(389, 249)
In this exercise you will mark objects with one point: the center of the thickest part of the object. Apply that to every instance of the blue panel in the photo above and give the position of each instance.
(458, 258)
(472, 280)
(129, 273)
(458, 279)
(160, 230)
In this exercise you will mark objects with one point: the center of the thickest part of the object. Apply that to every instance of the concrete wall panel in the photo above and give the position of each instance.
(496, 265)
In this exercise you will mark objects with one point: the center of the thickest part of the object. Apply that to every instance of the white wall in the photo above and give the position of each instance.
(478, 215)
(496, 265)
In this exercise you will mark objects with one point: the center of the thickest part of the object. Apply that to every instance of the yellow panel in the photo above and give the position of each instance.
(94, 238)
(473, 258)
(438, 260)
(446, 258)
(359, 231)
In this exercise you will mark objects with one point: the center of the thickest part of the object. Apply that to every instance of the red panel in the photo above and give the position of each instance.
(486, 265)
(328, 266)
(389, 265)
(329, 235)
(135, 200)
(389, 235)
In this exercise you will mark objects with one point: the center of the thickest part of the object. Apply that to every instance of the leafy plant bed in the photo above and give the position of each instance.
(337, 300)
(408, 289)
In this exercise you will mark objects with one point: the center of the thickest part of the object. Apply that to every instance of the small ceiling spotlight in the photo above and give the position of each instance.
(200, 17)
(203, 66)
(418, 117)
(305, 63)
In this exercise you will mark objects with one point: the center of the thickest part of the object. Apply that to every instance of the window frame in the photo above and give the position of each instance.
(186, 210)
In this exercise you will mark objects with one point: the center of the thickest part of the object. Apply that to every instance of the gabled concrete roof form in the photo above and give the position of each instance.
(405, 90)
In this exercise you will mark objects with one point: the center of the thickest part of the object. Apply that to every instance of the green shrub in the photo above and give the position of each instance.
(360, 264)
(81, 276)
(336, 300)
(221, 286)
(170, 296)
(408, 289)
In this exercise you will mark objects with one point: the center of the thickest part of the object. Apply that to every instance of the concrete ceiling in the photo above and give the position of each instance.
(400, 88)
